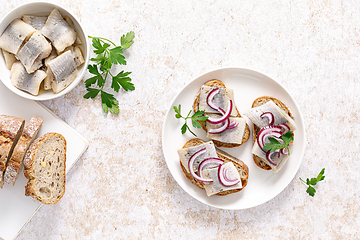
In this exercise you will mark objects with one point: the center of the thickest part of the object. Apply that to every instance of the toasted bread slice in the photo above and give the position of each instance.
(220, 84)
(240, 166)
(258, 102)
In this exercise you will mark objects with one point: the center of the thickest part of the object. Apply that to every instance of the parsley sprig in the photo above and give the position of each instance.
(313, 181)
(108, 54)
(198, 116)
(274, 144)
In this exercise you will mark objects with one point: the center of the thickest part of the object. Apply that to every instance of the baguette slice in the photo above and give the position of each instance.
(10, 132)
(258, 102)
(27, 137)
(220, 84)
(240, 166)
(45, 167)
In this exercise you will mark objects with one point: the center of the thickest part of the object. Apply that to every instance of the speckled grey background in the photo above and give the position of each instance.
(121, 187)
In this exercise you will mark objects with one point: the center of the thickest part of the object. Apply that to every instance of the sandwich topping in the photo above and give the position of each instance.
(221, 125)
(203, 164)
(260, 116)
(276, 133)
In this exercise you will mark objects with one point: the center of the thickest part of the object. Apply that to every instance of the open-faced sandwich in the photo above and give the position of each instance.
(225, 126)
(273, 132)
(212, 169)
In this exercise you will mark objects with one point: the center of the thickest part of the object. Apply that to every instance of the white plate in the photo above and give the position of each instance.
(16, 209)
(262, 185)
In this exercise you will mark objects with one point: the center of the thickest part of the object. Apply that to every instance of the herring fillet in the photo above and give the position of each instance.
(221, 100)
(71, 23)
(9, 59)
(64, 70)
(186, 153)
(79, 57)
(234, 135)
(215, 186)
(49, 75)
(22, 80)
(36, 22)
(58, 31)
(254, 114)
(33, 51)
(14, 35)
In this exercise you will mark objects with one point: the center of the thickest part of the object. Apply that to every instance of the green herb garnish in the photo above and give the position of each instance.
(274, 144)
(313, 181)
(198, 116)
(106, 57)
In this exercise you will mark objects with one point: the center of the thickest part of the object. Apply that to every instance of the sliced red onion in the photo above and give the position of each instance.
(224, 179)
(221, 111)
(284, 151)
(285, 127)
(268, 157)
(266, 132)
(210, 98)
(191, 168)
(224, 117)
(209, 161)
(220, 129)
(269, 116)
(233, 124)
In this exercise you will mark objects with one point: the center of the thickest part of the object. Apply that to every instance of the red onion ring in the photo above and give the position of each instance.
(220, 129)
(266, 132)
(210, 98)
(284, 151)
(285, 127)
(208, 161)
(233, 124)
(268, 157)
(224, 117)
(269, 116)
(191, 163)
(224, 179)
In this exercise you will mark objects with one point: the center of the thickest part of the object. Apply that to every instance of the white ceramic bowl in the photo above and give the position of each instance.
(43, 8)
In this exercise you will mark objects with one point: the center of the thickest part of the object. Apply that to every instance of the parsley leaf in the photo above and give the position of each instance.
(274, 144)
(313, 181)
(195, 118)
(109, 103)
(108, 54)
(311, 191)
(122, 80)
(97, 78)
(127, 40)
(92, 93)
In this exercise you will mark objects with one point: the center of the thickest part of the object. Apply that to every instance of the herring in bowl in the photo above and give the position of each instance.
(45, 51)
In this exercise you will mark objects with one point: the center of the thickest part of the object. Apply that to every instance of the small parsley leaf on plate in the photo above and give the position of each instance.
(195, 118)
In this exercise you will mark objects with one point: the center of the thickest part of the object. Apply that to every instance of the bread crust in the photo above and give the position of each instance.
(240, 166)
(258, 102)
(220, 84)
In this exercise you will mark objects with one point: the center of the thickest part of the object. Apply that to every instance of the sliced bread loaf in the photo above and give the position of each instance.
(45, 167)
(14, 163)
(10, 132)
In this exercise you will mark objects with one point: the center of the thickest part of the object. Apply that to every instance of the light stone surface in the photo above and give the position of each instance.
(121, 187)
